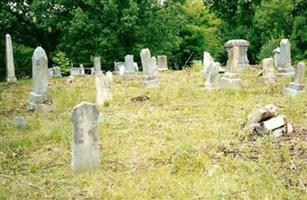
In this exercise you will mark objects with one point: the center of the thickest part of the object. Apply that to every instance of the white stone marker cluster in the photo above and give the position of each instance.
(162, 63)
(10, 67)
(149, 74)
(85, 148)
(268, 75)
(240, 57)
(39, 99)
(297, 86)
(283, 60)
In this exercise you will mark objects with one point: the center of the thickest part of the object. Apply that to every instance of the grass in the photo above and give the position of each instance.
(183, 143)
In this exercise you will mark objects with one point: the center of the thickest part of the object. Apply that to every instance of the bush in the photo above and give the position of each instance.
(266, 50)
(61, 60)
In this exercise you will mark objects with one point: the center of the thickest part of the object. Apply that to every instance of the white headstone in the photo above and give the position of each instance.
(82, 71)
(39, 99)
(207, 62)
(129, 67)
(10, 68)
(162, 63)
(149, 75)
(276, 56)
(97, 66)
(109, 76)
(213, 76)
(103, 89)
(85, 148)
(285, 68)
(268, 70)
(297, 86)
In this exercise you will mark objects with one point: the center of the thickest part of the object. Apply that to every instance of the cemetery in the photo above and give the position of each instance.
(143, 125)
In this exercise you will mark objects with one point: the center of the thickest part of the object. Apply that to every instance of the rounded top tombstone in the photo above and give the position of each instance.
(39, 53)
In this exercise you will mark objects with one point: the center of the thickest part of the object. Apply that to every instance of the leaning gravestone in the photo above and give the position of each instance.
(231, 77)
(285, 68)
(276, 56)
(85, 148)
(149, 75)
(103, 89)
(10, 68)
(241, 57)
(268, 70)
(297, 86)
(162, 63)
(207, 62)
(129, 67)
(39, 99)
(213, 76)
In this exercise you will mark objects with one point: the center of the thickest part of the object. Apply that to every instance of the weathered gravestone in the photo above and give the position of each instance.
(118, 66)
(103, 89)
(149, 75)
(213, 76)
(129, 72)
(285, 68)
(241, 57)
(162, 63)
(297, 86)
(39, 99)
(54, 72)
(97, 66)
(207, 62)
(268, 70)
(10, 68)
(231, 78)
(85, 148)
(153, 63)
(276, 56)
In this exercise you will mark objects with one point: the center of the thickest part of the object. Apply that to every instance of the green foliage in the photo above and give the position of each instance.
(60, 59)
(266, 50)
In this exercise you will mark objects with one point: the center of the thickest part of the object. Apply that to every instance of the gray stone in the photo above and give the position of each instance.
(285, 68)
(241, 57)
(207, 62)
(149, 75)
(273, 123)
(260, 114)
(297, 86)
(85, 148)
(231, 78)
(162, 63)
(129, 72)
(268, 75)
(39, 99)
(213, 76)
(103, 89)
(276, 56)
(97, 66)
(20, 122)
(10, 68)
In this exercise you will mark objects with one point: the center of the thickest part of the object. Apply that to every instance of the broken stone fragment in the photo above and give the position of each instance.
(273, 123)
(260, 114)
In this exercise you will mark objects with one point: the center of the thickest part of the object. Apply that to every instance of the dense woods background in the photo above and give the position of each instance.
(77, 30)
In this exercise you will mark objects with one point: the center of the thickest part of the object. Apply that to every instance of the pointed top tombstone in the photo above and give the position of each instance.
(10, 68)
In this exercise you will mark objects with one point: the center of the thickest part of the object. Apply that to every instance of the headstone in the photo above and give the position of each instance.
(297, 86)
(20, 122)
(97, 66)
(136, 67)
(231, 78)
(241, 57)
(85, 148)
(268, 70)
(162, 63)
(285, 68)
(10, 68)
(276, 56)
(153, 63)
(103, 89)
(39, 99)
(109, 76)
(82, 71)
(149, 75)
(75, 71)
(129, 67)
(213, 76)
(118, 65)
(207, 62)
(54, 72)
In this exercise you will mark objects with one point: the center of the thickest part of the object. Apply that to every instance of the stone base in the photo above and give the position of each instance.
(11, 79)
(294, 89)
(150, 83)
(285, 72)
(243, 66)
(230, 80)
(162, 69)
(39, 103)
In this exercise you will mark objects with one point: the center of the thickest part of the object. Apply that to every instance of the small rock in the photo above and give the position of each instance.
(20, 122)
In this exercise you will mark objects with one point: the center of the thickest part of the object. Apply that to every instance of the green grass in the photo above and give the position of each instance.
(184, 143)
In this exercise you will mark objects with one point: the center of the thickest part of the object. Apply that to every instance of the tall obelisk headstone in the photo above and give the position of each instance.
(297, 86)
(231, 77)
(10, 68)
(285, 68)
(85, 148)
(149, 75)
(39, 99)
